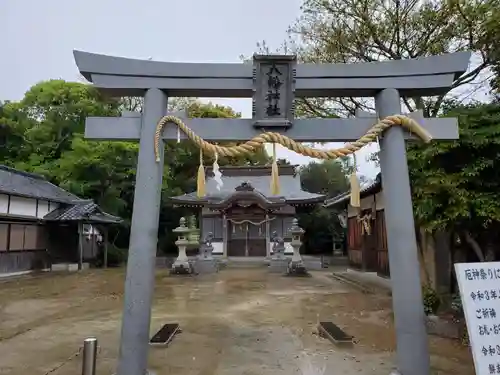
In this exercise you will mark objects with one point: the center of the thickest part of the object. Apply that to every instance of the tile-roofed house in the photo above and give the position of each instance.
(24, 184)
(367, 240)
(367, 188)
(243, 214)
(40, 222)
(366, 236)
(82, 210)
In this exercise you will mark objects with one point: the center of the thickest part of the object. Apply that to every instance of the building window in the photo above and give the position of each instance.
(16, 237)
(40, 238)
(4, 234)
(30, 237)
(25, 237)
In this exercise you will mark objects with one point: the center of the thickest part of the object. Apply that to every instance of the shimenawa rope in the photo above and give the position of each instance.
(257, 142)
(272, 137)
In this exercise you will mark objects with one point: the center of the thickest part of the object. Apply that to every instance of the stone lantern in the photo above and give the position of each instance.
(181, 264)
(296, 266)
(194, 232)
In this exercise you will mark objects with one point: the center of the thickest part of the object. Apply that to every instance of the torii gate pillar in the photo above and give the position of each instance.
(139, 283)
(411, 333)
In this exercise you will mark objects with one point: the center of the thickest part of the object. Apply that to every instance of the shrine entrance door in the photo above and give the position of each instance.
(246, 233)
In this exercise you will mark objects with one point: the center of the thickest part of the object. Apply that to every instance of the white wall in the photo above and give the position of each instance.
(288, 248)
(4, 203)
(53, 206)
(27, 207)
(218, 248)
(22, 206)
(43, 208)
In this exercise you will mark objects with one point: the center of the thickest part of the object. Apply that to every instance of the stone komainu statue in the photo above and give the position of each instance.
(206, 247)
(209, 238)
(278, 244)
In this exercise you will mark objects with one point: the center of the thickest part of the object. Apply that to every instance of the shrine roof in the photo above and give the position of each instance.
(260, 180)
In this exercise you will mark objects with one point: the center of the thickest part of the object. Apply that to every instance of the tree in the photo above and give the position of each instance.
(350, 31)
(455, 184)
(39, 128)
(492, 47)
(103, 171)
(322, 225)
(183, 159)
(43, 133)
(327, 177)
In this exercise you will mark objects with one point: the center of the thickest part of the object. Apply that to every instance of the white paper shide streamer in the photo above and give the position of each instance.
(217, 174)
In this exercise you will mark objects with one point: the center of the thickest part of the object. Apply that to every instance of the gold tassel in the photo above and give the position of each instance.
(275, 178)
(355, 187)
(200, 181)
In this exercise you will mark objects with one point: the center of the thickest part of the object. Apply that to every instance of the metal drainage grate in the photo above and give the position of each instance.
(333, 333)
(165, 334)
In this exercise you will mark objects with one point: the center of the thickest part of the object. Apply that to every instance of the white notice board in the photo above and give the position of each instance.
(479, 285)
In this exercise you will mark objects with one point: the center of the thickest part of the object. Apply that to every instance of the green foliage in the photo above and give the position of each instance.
(104, 171)
(37, 130)
(455, 184)
(116, 257)
(183, 159)
(431, 300)
(327, 177)
(459, 317)
(350, 31)
(457, 307)
(322, 225)
(43, 133)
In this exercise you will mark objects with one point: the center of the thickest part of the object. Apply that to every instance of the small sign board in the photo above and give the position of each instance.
(479, 285)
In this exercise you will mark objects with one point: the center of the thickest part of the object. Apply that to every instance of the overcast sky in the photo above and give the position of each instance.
(39, 37)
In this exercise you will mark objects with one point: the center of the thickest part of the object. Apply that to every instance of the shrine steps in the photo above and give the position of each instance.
(245, 262)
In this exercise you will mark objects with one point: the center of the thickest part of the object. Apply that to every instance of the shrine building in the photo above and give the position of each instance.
(243, 214)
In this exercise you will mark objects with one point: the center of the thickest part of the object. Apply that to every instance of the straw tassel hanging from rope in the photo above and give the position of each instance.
(255, 143)
(217, 173)
(355, 187)
(275, 178)
(200, 180)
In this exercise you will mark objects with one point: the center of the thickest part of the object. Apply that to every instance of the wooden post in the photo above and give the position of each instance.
(268, 239)
(224, 235)
(93, 239)
(80, 245)
(106, 246)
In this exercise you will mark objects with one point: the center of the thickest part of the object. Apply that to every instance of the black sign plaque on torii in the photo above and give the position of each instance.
(273, 90)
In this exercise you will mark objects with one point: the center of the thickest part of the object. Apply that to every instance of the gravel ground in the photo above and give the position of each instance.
(238, 322)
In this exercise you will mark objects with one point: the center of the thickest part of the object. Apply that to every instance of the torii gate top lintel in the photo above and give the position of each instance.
(426, 76)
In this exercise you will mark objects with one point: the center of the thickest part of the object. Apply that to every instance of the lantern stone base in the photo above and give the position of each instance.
(278, 265)
(206, 266)
(338, 253)
(297, 269)
(181, 268)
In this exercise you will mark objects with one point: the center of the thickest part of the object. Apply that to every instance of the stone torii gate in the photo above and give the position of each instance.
(272, 110)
